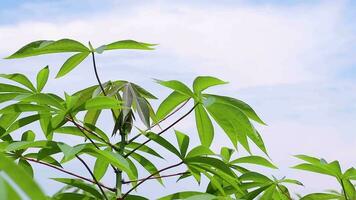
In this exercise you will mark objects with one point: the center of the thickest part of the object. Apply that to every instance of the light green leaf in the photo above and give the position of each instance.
(102, 102)
(199, 151)
(226, 153)
(19, 78)
(70, 152)
(71, 63)
(47, 47)
(183, 142)
(127, 44)
(100, 167)
(148, 165)
(8, 96)
(321, 196)
(42, 78)
(170, 103)
(20, 177)
(81, 185)
(26, 166)
(203, 82)
(43, 99)
(12, 88)
(21, 123)
(163, 142)
(176, 86)
(204, 126)
(245, 108)
(181, 195)
(20, 108)
(258, 160)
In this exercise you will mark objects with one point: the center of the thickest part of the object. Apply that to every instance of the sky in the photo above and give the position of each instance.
(293, 61)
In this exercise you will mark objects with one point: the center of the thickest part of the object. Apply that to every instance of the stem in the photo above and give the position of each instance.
(119, 179)
(117, 171)
(97, 75)
(148, 177)
(156, 177)
(172, 113)
(164, 130)
(92, 174)
(67, 172)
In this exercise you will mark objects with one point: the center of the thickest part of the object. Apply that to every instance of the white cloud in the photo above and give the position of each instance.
(247, 45)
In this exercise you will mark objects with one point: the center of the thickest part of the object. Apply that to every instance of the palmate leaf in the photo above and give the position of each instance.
(176, 86)
(47, 47)
(257, 160)
(21, 123)
(163, 142)
(20, 177)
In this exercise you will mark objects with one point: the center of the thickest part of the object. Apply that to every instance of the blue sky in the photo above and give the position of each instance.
(293, 61)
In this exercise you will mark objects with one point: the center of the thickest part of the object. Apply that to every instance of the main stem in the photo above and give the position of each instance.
(118, 172)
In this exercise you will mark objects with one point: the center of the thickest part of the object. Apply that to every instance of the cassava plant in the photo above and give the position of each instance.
(134, 126)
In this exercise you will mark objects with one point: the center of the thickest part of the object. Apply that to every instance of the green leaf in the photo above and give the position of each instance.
(148, 165)
(254, 160)
(14, 146)
(8, 96)
(28, 136)
(170, 103)
(204, 126)
(21, 123)
(245, 108)
(114, 158)
(144, 148)
(163, 142)
(127, 44)
(12, 88)
(100, 167)
(73, 196)
(203, 82)
(183, 142)
(19, 108)
(7, 192)
(42, 78)
(70, 152)
(181, 195)
(102, 102)
(47, 47)
(81, 185)
(199, 151)
(43, 99)
(176, 86)
(26, 166)
(20, 177)
(226, 153)
(321, 196)
(19, 78)
(71, 63)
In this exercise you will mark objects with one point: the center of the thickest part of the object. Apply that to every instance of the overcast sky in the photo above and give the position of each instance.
(292, 61)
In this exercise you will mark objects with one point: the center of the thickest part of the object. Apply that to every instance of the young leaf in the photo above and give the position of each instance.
(42, 78)
(47, 47)
(71, 63)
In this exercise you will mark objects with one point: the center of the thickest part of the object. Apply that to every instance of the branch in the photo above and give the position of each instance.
(92, 174)
(147, 178)
(156, 177)
(172, 113)
(66, 172)
(164, 130)
(97, 75)
(82, 129)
